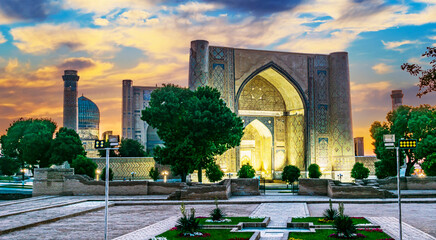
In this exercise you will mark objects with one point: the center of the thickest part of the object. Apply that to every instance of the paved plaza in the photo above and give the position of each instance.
(141, 217)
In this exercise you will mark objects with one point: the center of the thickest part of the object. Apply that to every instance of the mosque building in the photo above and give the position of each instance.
(296, 107)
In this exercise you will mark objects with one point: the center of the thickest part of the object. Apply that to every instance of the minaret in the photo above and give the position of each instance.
(70, 99)
(397, 99)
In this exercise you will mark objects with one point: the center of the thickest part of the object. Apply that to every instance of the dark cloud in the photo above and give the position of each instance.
(26, 9)
(258, 7)
(77, 64)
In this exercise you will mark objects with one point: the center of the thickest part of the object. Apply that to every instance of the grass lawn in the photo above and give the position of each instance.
(315, 220)
(235, 221)
(215, 234)
(324, 234)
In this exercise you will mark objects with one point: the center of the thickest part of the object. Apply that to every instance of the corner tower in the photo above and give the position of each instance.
(70, 99)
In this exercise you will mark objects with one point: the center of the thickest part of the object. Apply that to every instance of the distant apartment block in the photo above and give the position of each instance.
(358, 146)
(397, 98)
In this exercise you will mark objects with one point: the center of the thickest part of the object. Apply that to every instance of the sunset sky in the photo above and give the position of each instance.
(148, 41)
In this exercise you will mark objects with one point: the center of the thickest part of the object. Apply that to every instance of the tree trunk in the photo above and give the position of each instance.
(200, 175)
(183, 176)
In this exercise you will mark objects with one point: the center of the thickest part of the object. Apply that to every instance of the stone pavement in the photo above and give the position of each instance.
(390, 226)
(280, 212)
(28, 219)
(150, 231)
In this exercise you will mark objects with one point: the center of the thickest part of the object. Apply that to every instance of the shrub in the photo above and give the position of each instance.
(359, 171)
(103, 174)
(344, 226)
(429, 165)
(314, 171)
(214, 172)
(246, 171)
(290, 174)
(154, 173)
(188, 223)
(330, 213)
(84, 165)
(217, 214)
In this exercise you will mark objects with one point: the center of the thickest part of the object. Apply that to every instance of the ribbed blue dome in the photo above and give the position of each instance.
(89, 114)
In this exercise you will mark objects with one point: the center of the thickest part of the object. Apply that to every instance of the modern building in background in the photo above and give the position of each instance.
(71, 79)
(89, 125)
(397, 99)
(135, 99)
(358, 146)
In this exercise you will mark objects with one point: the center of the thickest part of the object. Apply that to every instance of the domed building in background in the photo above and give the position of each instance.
(89, 121)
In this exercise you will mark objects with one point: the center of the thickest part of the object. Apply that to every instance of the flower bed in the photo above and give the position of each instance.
(322, 221)
(210, 234)
(229, 220)
(366, 234)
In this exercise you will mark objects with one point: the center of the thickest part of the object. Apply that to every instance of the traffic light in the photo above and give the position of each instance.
(99, 144)
(407, 143)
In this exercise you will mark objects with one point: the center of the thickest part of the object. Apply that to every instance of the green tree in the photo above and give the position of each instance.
(154, 173)
(66, 147)
(290, 174)
(359, 171)
(429, 166)
(131, 148)
(427, 78)
(213, 127)
(84, 165)
(314, 171)
(194, 125)
(246, 171)
(28, 141)
(214, 172)
(103, 174)
(408, 123)
(9, 166)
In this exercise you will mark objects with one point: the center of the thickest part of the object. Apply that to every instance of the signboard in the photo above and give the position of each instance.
(389, 138)
(114, 140)
(389, 144)
(407, 143)
(99, 144)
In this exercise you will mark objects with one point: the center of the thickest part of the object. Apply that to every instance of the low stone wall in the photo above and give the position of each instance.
(244, 186)
(161, 188)
(408, 183)
(64, 182)
(81, 185)
(337, 190)
(312, 186)
(50, 181)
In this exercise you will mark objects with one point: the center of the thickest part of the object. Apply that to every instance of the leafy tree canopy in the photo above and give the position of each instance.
(131, 148)
(9, 166)
(290, 174)
(246, 171)
(314, 171)
(66, 147)
(195, 125)
(427, 78)
(214, 173)
(29, 140)
(359, 171)
(84, 165)
(408, 123)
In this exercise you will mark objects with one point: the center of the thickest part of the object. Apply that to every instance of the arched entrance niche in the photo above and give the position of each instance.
(255, 148)
(277, 104)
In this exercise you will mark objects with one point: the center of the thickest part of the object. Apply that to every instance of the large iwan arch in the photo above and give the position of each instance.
(303, 100)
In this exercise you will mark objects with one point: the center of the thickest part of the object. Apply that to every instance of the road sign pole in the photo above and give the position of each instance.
(399, 193)
(106, 198)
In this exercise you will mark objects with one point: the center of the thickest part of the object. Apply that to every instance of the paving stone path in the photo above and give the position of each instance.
(24, 207)
(24, 220)
(390, 226)
(279, 214)
(150, 231)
